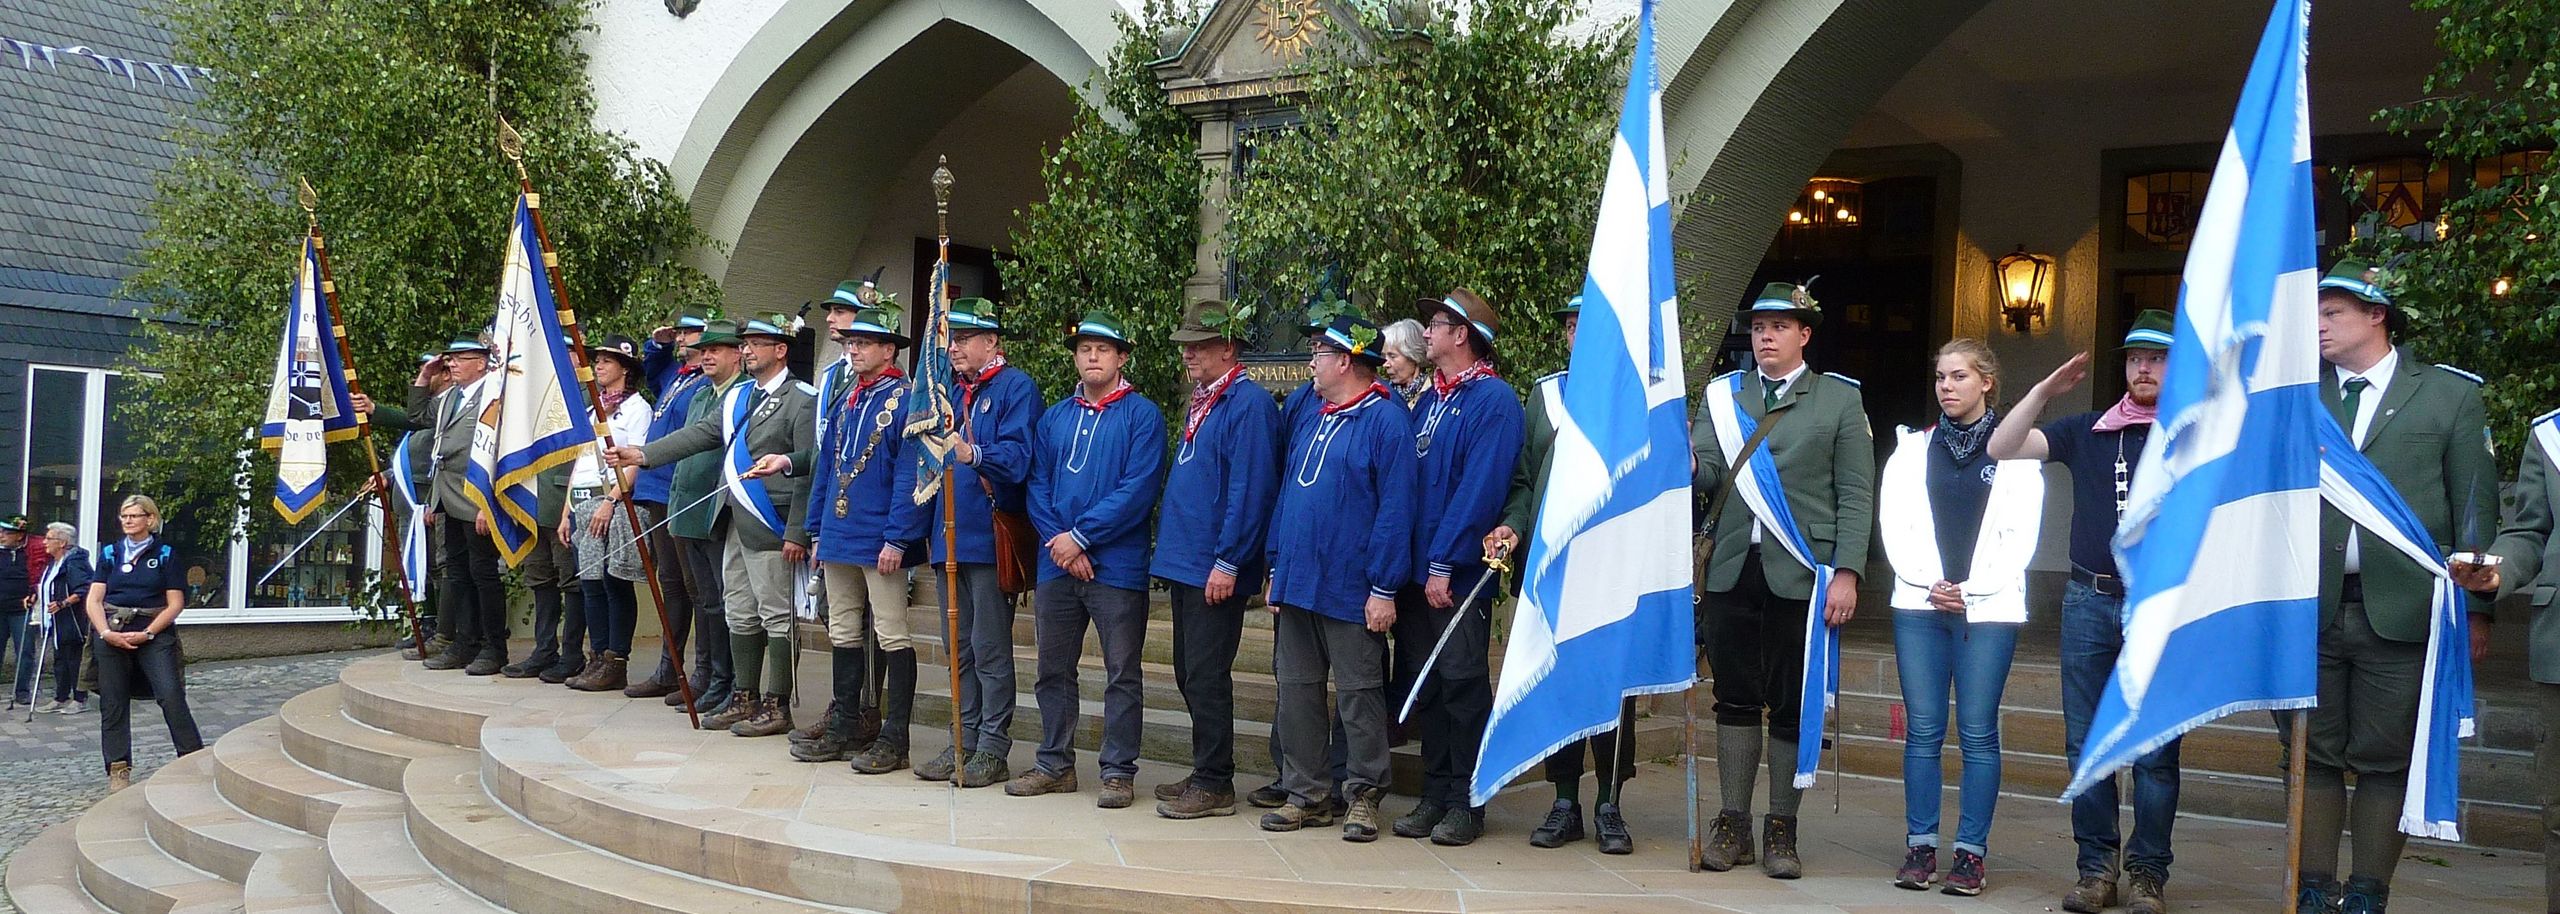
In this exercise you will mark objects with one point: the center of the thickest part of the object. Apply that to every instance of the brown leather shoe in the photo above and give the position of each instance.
(817, 728)
(609, 673)
(772, 718)
(1190, 801)
(119, 776)
(652, 687)
(1778, 848)
(1728, 842)
(1117, 793)
(741, 706)
(1035, 782)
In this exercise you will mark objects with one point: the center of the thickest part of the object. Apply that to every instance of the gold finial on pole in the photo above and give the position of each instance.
(942, 191)
(512, 144)
(310, 200)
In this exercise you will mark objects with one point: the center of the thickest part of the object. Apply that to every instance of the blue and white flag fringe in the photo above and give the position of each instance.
(534, 414)
(2226, 498)
(308, 406)
(1604, 609)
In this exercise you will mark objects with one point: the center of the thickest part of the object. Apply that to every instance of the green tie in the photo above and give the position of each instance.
(2355, 393)
(1769, 393)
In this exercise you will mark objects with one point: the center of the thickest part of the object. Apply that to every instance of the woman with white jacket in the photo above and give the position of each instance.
(1959, 528)
(597, 528)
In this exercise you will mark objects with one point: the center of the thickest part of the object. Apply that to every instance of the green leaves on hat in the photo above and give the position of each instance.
(1364, 338)
(1230, 322)
(1324, 310)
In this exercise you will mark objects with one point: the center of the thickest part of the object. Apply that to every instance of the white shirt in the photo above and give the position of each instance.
(1761, 385)
(630, 425)
(2368, 405)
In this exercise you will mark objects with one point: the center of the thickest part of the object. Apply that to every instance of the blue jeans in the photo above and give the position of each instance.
(2092, 634)
(1934, 651)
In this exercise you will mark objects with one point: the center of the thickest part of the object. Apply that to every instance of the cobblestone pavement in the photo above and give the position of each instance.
(49, 767)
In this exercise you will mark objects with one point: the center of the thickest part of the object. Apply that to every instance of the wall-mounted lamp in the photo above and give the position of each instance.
(2026, 287)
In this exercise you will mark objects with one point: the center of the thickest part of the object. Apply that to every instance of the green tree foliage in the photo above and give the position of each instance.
(2496, 91)
(1465, 147)
(1119, 226)
(390, 110)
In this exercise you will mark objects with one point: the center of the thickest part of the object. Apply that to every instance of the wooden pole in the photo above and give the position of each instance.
(1689, 753)
(513, 145)
(379, 485)
(2297, 747)
(950, 507)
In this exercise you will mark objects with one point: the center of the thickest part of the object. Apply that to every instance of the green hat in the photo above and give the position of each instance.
(692, 317)
(2152, 329)
(854, 294)
(970, 314)
(1791, 299)
(877, 323)
(1212, 319)
(1100, 325)
(1571, 306)
(2360, 279)
(1348, 330)
(15, 523)
(468, 344)
(719, 331)
(779, 326)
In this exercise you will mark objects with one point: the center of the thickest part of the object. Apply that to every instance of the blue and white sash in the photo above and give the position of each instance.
(748, 493)
(2545, 434)
(1760, 489)
(413, 532)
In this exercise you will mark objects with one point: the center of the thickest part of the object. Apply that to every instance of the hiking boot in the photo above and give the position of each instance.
(831, 747)
(1036, 782)
(2363, 895)
(2091, 895)
(1117, 793)
(1728, 842)
(881, 757)
(1171, 789)
(985, 769)
(119, 776)
(567, 666)
(1291, 817)
(740, 708)
(1614, 838)
(524, 669)
(492, 659)
(1360, 821)
(1964, 878)
(817, 728)
(1267, 796)
(940, 768)
(653, 687)
(1563, 826)
(772, 718)
(2144, 894)
(2319, 895)
(1461, 827)
(1778, 848)
(607, 674)
(1191, 801)
(1919, 868)
(435, 645)
(1419, 823)
(454, 656)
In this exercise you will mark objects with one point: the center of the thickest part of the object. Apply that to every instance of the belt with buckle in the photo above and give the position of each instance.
(582, 493)
(2106, 585)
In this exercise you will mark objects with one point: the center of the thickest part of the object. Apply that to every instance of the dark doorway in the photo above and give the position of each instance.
(1871, 249)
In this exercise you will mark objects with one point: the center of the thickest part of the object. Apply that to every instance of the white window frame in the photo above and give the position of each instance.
(234, 607)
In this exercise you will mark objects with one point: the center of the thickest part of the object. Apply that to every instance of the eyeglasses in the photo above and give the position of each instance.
(134, 516)
(1447, 324)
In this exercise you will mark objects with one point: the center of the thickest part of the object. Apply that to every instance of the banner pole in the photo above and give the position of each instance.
(378, 485)
(512, 144)
(950, 507)
(2298, 745)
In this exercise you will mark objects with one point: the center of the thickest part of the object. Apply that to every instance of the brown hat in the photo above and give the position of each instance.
(1211, 319)
(1467, 306)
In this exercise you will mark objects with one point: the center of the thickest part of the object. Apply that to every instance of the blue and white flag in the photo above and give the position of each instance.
(2354, 486)
(534, 414)
(413, 531)
(1604, 604)
(307, 403)
(2221, 532)
(2545, 434)
(931, 419)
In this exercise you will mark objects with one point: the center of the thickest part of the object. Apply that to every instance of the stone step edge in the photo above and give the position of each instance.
(308, 806)
(124, 870)
(228, 841)
(44, 874)
(318, 733)
(370, 845)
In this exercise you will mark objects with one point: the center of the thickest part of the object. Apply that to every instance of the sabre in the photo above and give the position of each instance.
(1493, 566)
(661, 525)
(315, 534)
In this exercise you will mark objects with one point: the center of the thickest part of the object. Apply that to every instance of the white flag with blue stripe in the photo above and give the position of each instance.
(2221, 534)
(536, 416)
(1604, 603)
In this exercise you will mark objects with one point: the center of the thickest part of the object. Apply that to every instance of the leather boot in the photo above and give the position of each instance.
(456, 655)
(493, 657)
(741, 704)
(607, 674)
(772, 718)
(817, 729)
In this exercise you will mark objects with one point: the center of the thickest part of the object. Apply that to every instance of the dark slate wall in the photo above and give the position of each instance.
(38, 336)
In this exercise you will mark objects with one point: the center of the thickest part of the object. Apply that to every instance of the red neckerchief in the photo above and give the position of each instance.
(885, 374)
(1206, 399)
(1447, 385)
(1375, 390)
(969, 388)
(1107, 399)
(611, 401)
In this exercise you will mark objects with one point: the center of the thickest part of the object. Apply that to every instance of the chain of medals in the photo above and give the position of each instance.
(2124, 478)
(844, 478)
(680, 386)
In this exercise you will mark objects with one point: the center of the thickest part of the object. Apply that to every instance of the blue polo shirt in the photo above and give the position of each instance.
(671, 389)
(2090, 455)
(866, 428)
(997, 420)
(1464, 446)
(1218, 492)
(1333, 541)
(141, 577)
(1096, 471)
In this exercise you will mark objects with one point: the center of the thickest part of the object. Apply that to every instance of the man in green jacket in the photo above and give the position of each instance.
(697, 478)
(1756, 591)
(2529, 576)
(2423, 426)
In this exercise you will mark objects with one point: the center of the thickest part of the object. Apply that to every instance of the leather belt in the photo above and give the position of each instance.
(582, 493)
(2107, 585)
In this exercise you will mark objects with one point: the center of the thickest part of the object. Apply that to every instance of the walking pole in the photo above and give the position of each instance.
(381, 487)
(950, 509)
(2297, 747)
(512, 144)
(44, 646)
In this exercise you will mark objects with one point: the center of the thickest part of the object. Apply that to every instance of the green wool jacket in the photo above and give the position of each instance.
(1826, 463)
(697, 475)
(2430, 439)
(1529, 474)
(2531, 573)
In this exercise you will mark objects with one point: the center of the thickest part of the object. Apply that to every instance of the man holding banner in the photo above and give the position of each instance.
(473, 591)
(1784, 572)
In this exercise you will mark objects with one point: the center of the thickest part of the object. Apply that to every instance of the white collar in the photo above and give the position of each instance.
(779, 378)
(1785, 382)
(2379, 374)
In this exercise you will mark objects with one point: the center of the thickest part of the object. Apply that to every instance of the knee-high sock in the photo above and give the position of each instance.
(850, 666)
(746, 658)
(1784, 795)
(2377, 824)
(2324, 812)
(777, 666)
(898, 694)
(1737, 764)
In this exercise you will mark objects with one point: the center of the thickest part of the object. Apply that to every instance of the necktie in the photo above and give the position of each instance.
(2354, 388)
(1769, 393)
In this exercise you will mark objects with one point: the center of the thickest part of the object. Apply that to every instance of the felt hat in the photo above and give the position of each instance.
(1099, 325)
(620, 347)
(2369, 283)
(718, 331)
(875, 323)
(692, 317)
(1212, 319)
(2152, 329)
(974, 314)
(1791, 299)
(1467, 306)
(1350, 331)
(777, 326)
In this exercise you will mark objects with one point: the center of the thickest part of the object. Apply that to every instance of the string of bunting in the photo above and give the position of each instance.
(177, 74)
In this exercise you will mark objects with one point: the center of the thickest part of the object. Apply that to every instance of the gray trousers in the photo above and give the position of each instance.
(1062, 608)
(1306, 646)
(985, 655)
(2546, 779)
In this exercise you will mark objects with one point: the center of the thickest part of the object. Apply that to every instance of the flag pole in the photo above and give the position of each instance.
(1689, 754)
(512, 144)
(2298, 745)
(950, 507)
(380, 487)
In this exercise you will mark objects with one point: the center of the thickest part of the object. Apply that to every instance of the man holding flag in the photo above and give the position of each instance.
(675, 378)
(471, 573)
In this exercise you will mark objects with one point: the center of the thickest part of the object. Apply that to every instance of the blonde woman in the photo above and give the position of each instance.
(1959, 528)
(133, 606)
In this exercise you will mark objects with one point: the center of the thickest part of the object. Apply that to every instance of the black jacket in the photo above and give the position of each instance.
(14, 586)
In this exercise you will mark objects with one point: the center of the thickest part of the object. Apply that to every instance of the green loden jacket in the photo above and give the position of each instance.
(1826, 461)
(782, 422)
(2430, 438)
(2531, 574)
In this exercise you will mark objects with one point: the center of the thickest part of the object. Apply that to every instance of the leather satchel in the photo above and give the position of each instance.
(1016, 547)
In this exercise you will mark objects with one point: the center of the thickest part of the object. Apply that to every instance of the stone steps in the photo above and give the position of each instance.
(318, 733)
(252, 771)
(188, 818)
(44, 874)
(292, 881)
(375, 869)
(124, 870)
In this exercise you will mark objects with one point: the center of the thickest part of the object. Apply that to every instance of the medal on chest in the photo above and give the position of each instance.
(844, 478)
